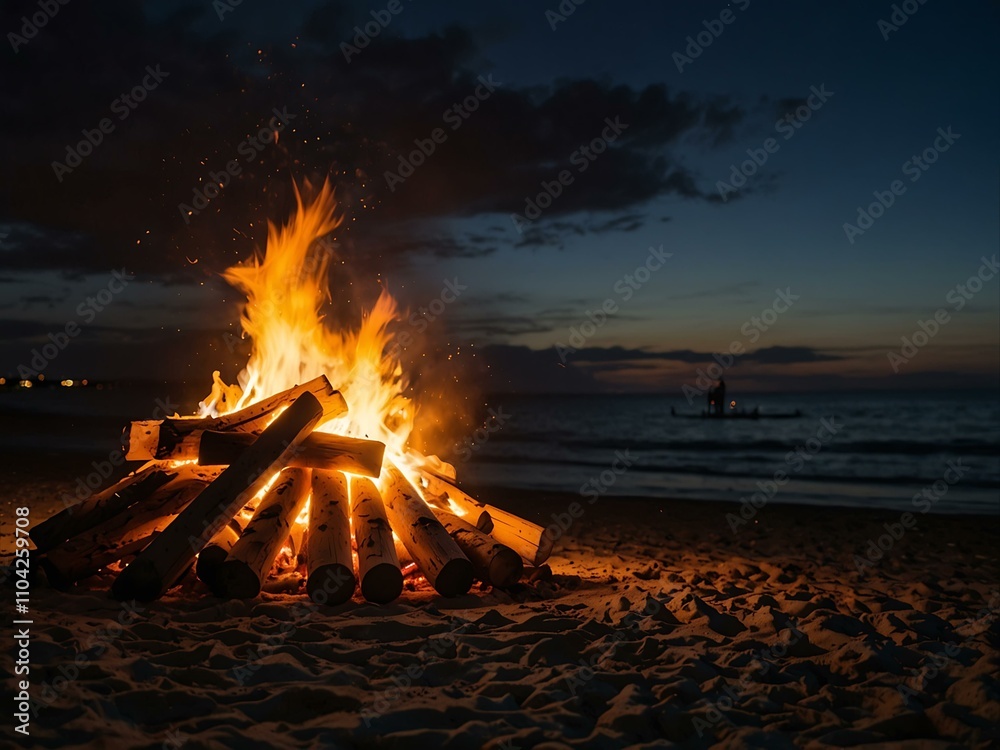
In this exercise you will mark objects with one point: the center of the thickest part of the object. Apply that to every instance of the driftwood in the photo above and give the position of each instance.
(214, 553)
(250, 560)
(378, 565)
(152, 572)
(318, 451)
(527, 539)
(494, 563)
(163, 438)
(99, 507)
(120, 536)
(328, 550)
(439, 557)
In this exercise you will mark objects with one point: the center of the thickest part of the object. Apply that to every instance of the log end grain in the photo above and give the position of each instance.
(140, 581)
(506, 568)
(455, 578)
(382, 584)
(210, 560)
(236, 580)
(331, 584)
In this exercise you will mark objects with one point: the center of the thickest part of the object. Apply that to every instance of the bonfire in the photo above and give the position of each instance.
(303, 464)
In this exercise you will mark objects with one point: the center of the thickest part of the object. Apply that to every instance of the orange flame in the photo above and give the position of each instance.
(286, 292)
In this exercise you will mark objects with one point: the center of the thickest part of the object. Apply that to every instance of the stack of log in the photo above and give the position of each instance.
(185, 511)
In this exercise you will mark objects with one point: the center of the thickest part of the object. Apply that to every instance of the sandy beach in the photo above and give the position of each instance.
(657, 626)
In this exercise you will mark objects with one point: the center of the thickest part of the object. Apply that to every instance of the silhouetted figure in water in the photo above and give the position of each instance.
(717, 398)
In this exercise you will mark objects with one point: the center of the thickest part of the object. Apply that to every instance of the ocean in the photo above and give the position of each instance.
(847, 449)
(924, 452)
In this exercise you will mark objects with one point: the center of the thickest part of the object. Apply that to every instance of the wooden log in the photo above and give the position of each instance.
(437, 555)
(527, 539)
(174, 437)
(297, 539)
(318, 451)
(98, 508)
(162, 561)
(378, 565)
(210, 559)
(328, 549)
(484, 523)
(250, 560)
(494, 563)
(123, 535)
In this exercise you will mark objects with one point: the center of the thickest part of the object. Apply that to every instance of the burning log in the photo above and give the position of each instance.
(439, 557)
(98, 508)
(172, 437)
(210, 559)
(250, 560)
(121, 536)
(378, 565)
(328, 549)
(152, 572)
(318, 451)
(527, 539)
(297, 539)
(494, 563)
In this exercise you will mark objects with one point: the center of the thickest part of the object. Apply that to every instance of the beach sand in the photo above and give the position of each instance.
(658, 626)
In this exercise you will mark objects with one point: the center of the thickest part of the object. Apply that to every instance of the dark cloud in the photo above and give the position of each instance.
(786, 355)
(768, 355)
(353, 122)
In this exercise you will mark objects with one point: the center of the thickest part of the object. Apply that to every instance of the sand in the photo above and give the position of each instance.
(658, 626)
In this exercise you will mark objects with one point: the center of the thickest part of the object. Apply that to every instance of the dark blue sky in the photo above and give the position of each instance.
(657, 185)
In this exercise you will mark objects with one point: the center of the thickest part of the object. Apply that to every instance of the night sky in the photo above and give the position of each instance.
(846, 108)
